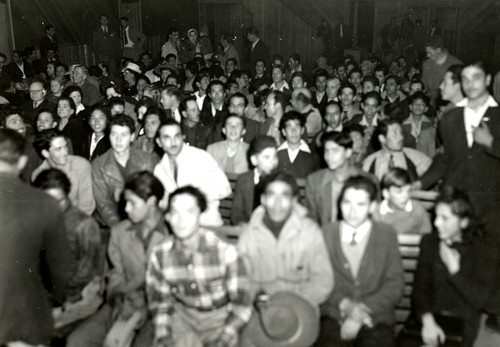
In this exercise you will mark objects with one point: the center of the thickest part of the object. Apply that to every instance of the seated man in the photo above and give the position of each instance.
(320, 98)
(231, 153)
(195, 132)
(264, 159)
(111, 169)
(369, 277)
(84, 294)
(197, 286)
(129, 248)
(183, 165)
(285, 249)
(389, 134)
(301, 102)
(323, 187)
(238, 105)
(346, 95)
(294, 155)
(52, 145)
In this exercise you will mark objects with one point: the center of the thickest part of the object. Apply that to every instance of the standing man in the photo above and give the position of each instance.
(48, 42)
(105, 43)
(258, 49)
(197, 285)
(32, 234)
(172, 45)
(471, 140)
(132, 40)
(180, 166)
(342, 37)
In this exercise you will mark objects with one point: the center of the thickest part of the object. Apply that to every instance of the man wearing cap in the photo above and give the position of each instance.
(132, 39)
(434, 68)
(285, 249)
(196, 283)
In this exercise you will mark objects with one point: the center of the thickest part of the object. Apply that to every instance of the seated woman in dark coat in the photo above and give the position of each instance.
(455, 275)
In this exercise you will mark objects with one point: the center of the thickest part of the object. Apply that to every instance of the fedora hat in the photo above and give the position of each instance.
(132, 67)
(157, 70)
(285, 320)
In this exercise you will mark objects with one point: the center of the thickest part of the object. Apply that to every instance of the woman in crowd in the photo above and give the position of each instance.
(71, 125)
(98, 140)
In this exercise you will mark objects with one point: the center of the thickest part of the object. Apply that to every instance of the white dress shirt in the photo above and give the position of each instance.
(472, 118)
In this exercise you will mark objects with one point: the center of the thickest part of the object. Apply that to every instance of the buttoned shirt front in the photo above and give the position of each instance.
(212, 276)
(293, 153)
(472, 118)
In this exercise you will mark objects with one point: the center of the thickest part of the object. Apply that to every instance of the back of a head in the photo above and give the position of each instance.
(342, 139)
(11, 146)
(145, 185)
(260, 143)
(395, 177)
(53, 178)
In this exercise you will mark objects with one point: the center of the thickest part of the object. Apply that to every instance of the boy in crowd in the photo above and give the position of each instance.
(298, 80)
(319, 97)
(323, 187)
(355, 78)
(264, 159)
(370, 84)
(332, 120)
(231, 153)
(389, 134)
(419, 130)
(369, 278)
(279, 84)
(398, 210)
(392, 90)
(347, 92)
(294, 154)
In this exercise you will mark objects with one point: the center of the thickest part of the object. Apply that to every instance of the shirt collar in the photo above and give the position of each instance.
(347, 232)
(386, 209)
(302, 147)
(490, 102)
(364, 121)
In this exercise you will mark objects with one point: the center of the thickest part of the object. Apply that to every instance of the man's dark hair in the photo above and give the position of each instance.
(123, 121)
(253, 31)
(372, 95)
(53, 178)
(295, 56)
(320, 73)
(183, 104)
(393, 77)
(49, 26)
(172, 30)
(11, 146)
(480, 64)
(193, 67)
(168, 123)
(381, 67)
(371, 79)
(200, 198)
(233, 60)
(125, 18)
(260, 143)
(232, 115)
(381, 129)
(145, 185)
(414, 81)
(360, 183)
(355, 70)
(173, 91)
(420, 95)
(238, 95)
(395, 177)
(298, 74)
(115, 101)
(44, 138)
(280, 176)
(455, 70)
(342, 139)
(70, 89)
(290, 116)
(8, 110)
(348, 85)
(213, 84)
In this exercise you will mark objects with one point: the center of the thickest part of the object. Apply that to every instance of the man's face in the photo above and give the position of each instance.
(370, 107)
(78, 75)
(170, 139)
(341, 71)
(137, 208)
(120, 138)
(398, 196)
(230, 66)
(45, 121)
(321, 84)
(292, 63)
(394, 138)
(15, 122)
(146, 60)
(277, 75)
(448, 224)
(432, 53)
(265, 161)
(166, 100)
(98, 122)
(233, 88)
(391, 87)
(332, 116)
(355, 79)
(37, 92)
(349, 67)
(449, 89)
(117, 109)
(192, 112)
(332, 88)
(237, 106)
(415, 87)
(174, 36)
(356, 206)
(251, 37)
(51, 32)
(347, 97)
(368, 87)
(16, 58)
(475, 82)
(418, 107)
(234, 128)
(151, 125)
(184, 216)
(394, 68)
(380, 76)
(103, 20)
(278, 201)
(203, 84)
(260, 67)
(217, 94)
(270, 106)
(58, 152)
(297, 82)
(293, 132)
(336, 156)
(123, 23)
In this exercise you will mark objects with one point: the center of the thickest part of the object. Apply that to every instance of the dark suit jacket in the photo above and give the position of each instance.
(345, 41)
(29, 113)
(47, 44)
(380, 281)
(243, 200)
(15, 72)
(102, 147)
(260, 51)
(303, 165)
(106, 46)
(207, 118)
(77, 131)
(199, 136)
(32, 234)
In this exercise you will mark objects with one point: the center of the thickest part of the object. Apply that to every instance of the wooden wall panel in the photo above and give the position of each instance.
(6, 44)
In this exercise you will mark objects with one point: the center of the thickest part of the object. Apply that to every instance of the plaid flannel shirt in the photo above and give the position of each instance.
(210, 278)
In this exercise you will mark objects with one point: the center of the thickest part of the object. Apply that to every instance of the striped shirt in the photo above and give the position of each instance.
(211, 277)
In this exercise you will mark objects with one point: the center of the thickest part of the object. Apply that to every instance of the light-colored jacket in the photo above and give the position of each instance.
(218, 150)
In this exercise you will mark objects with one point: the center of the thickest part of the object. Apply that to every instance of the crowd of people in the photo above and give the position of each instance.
(112, 177)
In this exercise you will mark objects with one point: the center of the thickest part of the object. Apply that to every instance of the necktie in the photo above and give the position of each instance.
(391, 162)
(173, 166)
(106, 30)
(341, 31)
(353, 239)
(344, 117)
(34, 105)
(125, 41)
